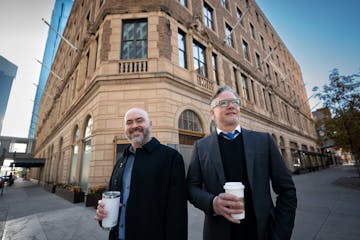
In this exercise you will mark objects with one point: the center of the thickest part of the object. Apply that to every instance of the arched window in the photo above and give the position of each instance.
(190, 128)
(60, 162)
(84, 176)
(282, 148)
(74, 157)
(212, 126)
(274, 138)
(282, 142)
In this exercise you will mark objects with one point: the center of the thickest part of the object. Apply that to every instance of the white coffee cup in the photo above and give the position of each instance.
(237, 189)
(111, 200)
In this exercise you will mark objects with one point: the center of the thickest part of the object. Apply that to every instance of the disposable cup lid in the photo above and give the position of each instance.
(111, 194)
(233, 185)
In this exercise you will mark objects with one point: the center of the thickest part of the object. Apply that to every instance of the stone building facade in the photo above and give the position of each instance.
(168, 57)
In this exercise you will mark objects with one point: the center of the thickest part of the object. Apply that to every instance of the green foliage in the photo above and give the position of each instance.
(342, 97)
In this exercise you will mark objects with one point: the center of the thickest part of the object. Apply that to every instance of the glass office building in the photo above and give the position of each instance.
(7, 74)
(58, 21)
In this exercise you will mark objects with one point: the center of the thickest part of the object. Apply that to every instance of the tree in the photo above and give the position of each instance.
(342, 97)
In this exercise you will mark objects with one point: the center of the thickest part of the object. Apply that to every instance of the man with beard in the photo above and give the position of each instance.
(234, 154)
(151, 179)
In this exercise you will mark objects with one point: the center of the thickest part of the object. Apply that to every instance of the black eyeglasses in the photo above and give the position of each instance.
(226, 103)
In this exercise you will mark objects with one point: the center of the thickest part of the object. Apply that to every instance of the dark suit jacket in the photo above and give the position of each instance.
(157, 203)
(205, 179)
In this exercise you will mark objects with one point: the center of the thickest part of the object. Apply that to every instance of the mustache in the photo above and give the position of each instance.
(137, 129)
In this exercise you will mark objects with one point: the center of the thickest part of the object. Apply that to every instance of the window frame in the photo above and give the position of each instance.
(183, 51)
(207, 9)
(229, 35)
(197, 45)
(134, 40)
(245, 87)
(245, 50)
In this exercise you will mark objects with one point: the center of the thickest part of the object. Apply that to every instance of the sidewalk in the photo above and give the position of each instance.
(27, 211)
(325, 211)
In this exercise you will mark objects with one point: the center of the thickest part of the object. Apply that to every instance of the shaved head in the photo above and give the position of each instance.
(139, 111)
(137, 127)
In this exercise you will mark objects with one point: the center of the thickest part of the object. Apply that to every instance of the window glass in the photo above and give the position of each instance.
(190, 128)
(134, 39)
(199, 59)
(182, 49)
(208, 16)
(229, 38)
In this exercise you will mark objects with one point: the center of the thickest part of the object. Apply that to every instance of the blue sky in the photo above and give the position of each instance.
(320, 34)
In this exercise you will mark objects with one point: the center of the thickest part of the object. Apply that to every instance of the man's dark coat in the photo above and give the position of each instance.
(157, 203)
(264, 165)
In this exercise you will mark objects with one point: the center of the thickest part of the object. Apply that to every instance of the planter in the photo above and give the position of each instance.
(50, 187)
(91, 199)
(74, 197)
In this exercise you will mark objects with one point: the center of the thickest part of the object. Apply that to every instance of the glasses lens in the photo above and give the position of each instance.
(227, 102)
(224, 103)
(236, 102)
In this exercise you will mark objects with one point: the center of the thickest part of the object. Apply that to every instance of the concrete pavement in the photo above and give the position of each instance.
(325, 211)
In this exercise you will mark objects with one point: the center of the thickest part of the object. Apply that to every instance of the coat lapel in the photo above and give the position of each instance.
(249, 152)
(215, 157)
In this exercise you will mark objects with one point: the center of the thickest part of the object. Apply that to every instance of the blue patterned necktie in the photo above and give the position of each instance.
(229, 136)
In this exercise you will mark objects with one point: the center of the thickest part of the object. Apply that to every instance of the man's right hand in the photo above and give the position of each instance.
(100, 211)
(226, 204)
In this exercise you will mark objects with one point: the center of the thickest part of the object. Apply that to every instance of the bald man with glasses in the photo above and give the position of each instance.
(234, 154)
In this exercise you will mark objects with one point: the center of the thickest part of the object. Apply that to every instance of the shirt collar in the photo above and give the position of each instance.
(237, 128)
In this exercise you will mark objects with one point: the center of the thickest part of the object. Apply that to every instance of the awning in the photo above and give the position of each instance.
(28, 162)
(311, 153)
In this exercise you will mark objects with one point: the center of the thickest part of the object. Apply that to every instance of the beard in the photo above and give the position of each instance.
(141, 139)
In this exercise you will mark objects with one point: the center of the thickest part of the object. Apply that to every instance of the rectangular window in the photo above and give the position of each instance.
(96, 51)
(287, 113)
(283, 83)
(87, 66)
(134, 39)
(245, 49)
(268, 76)
(245, 88)
(183, 2)
(271, 103)
(239, 16)
(101, 2)
(253, 90)
(229, 38)
(215, 68)
(182, 49)
(252, 31)
(17, 147)
(262, 42)
(199, 58)
(236, 81)
(277, 79)
(208, 16)
(265, 102)
(258, 62)
(225, 4)
(270, 52)
(257, 17)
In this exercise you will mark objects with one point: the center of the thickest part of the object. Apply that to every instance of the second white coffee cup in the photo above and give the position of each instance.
(237, 189)
(111, 200)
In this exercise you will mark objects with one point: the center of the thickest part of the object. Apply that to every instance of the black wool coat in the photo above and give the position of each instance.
(157, 203)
